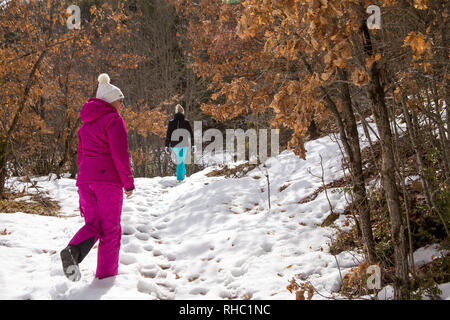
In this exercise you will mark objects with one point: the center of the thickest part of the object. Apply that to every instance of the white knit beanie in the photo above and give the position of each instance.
(179, 108)
(107, 91)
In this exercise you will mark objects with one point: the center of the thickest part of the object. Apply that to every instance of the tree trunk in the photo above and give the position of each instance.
(401, 172)
(68, 146)
(73, 165)
(413, 138)
(379, 109)
(366, 127)
(3, 162)
(447, 111)
(15, 120)
(359, 186)
(313, 131)
(350, 140)
(376, 95)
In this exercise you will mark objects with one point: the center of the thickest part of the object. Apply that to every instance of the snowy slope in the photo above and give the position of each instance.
(207, 238)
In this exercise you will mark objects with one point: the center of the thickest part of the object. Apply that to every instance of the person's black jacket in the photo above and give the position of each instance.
(178, 122)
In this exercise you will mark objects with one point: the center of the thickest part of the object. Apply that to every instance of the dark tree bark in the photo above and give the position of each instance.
(359, 187)
(5, 141)
(350, 140)
(376, 95)
(3, 160)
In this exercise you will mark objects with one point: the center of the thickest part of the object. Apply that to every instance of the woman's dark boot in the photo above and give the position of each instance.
(70, 256)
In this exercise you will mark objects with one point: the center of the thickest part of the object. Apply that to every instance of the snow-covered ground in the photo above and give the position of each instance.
(206, 238)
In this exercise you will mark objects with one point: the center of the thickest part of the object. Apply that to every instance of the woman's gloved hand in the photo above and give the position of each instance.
(166, 149)
(129, 193)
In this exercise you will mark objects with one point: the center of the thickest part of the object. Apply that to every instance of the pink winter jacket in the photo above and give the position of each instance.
(103, 146)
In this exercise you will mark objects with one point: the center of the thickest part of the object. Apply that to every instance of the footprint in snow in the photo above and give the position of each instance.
(157, 252)
(171, 257)
(156, 236)
(238, 272)
(161, 226)
(267, 246)
(128, 230)
(199, 290)
(127, 259)
(143, 228)
(142, 236)
(132, 248)
(148, 247)
(149, 287)
(165, 266)
(224, 294)
(167, 284)
(149, 273)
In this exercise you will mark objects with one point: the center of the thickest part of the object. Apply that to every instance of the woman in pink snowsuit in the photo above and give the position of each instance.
(103, 173)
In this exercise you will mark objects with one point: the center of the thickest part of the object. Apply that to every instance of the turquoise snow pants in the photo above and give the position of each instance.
(180, 152)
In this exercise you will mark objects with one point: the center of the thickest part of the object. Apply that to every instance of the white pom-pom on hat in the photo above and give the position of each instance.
(104, 78)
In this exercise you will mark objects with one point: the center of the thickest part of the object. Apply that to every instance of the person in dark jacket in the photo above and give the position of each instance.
(179, 142)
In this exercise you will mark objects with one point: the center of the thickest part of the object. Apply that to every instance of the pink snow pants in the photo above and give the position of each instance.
(101, 206)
